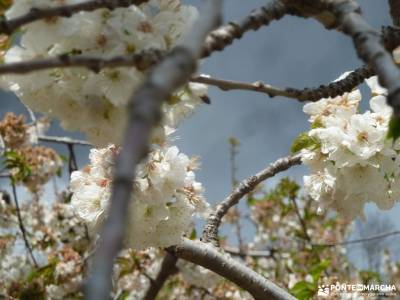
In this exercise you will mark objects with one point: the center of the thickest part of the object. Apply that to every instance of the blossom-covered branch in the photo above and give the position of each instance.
(217, 40)
(144, 114)
(209, 257)
(38, 13)
(168, 268)
(141, 61)
(346, 16)
(369, 48)
(210, 233)
(390, 37)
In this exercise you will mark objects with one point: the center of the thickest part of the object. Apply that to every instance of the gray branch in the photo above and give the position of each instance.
(217, 40)
(144, 114)
(363, 240)
(222, 37)
(36, 13)
(369, 47)
(210, 233)
(167, 269)
(391, 40)
(345, 16)
(208, 257)
(62, 140)
(141, 61)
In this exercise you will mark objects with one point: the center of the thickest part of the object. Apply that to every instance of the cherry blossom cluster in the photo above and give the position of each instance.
(59, 243)
(291, 255)
(351, 160)
(16, 134)
(96, 103)
(166, 195)
(26, 162)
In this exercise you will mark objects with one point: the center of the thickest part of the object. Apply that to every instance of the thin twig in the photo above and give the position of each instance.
(210, 233)
(208, 257)
(250, 253)
(5, 175)
(363, 240)
(301, 220)
(144, 114)
(305, 230)
(63, 140)
(72, 163)
(269, 253)
(233, 152)
(167, 269)
(37, 13)
(21, 224)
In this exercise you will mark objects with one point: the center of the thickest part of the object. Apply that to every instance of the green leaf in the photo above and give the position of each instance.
(303, 290)
(288, 188)
(45, 272)
(63, 158)
(193, 234)
(14, 160)
(317, 124)
(394, 129)
(304, 141)
(317, 270)
(251, 201)
(59, 172)
(124, 295)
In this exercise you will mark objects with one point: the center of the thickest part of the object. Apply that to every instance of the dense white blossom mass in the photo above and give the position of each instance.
(96, 103)
(352, 161)
(166, 195)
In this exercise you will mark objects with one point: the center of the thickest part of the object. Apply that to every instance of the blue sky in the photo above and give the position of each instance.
(293, 52)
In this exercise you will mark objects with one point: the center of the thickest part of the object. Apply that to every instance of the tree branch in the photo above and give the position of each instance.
(62, 140)
(208, 257)
(251, 253)
(369, 48)
(144, 114)
(21, 225)
(217, 40)
(368, 239)
(141, 61)
(269, 253)
(345, 16)
(72, 163)
(390, 37)
(36, 13)
(168, 268)
(222, 37)
(334, 89)
(210, 232)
